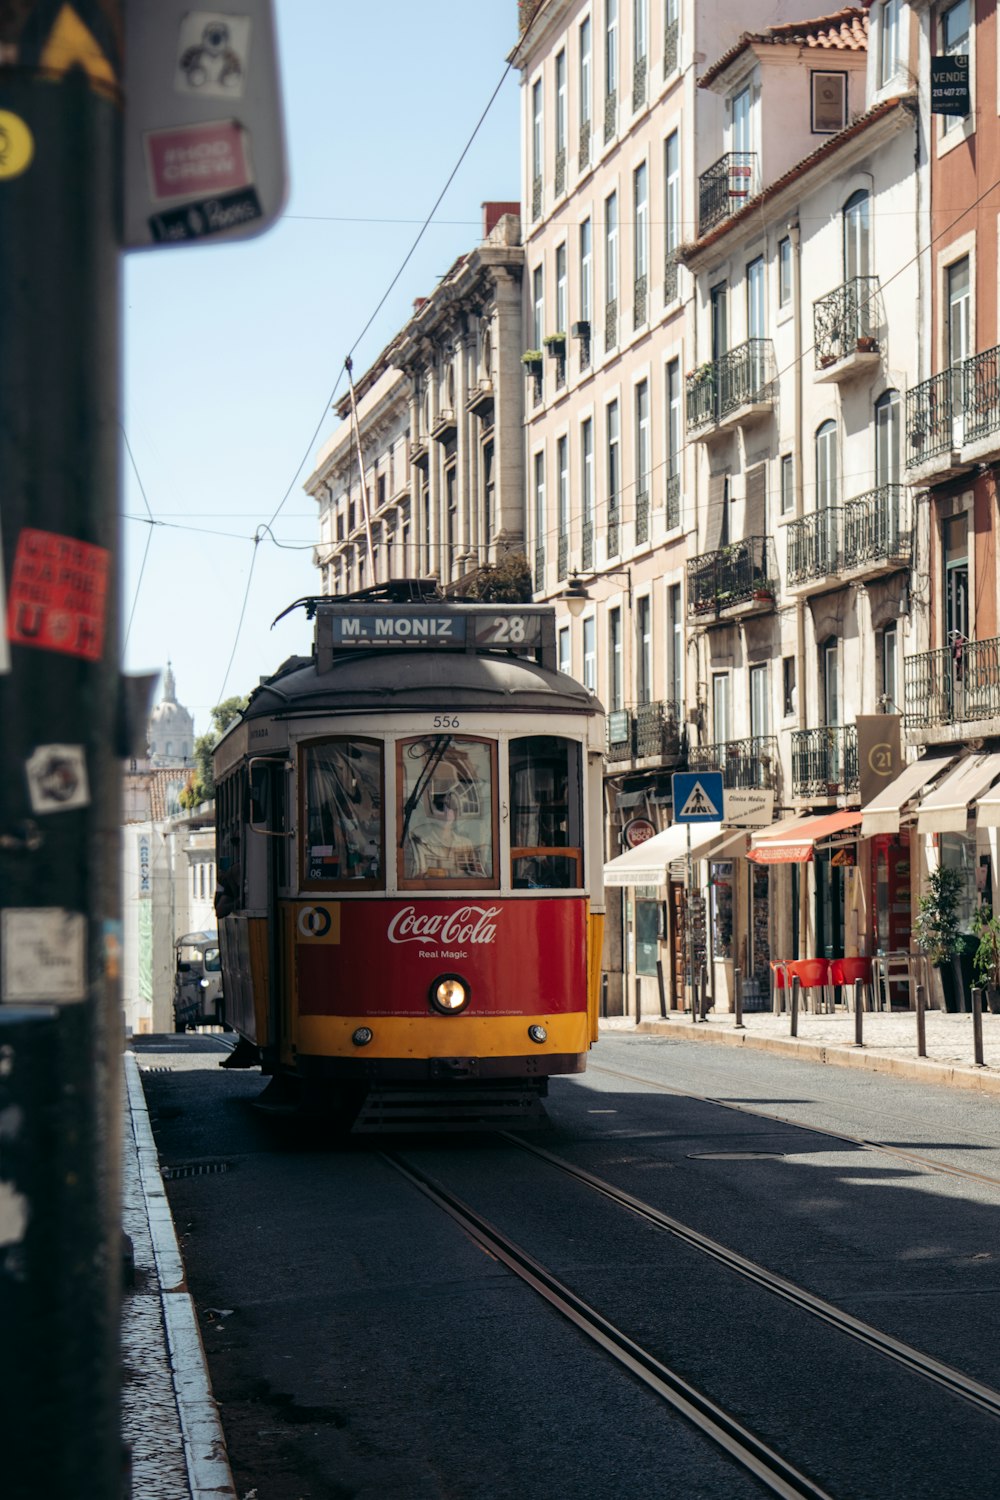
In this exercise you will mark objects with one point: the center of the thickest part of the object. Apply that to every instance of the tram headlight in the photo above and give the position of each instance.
(538, 1034)
(362, 1036)
(449, 994)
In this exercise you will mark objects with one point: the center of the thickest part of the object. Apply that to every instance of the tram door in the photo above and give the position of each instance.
(269, 821)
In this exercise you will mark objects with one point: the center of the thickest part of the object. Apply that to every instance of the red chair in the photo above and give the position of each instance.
(812, 974)
(844, 972)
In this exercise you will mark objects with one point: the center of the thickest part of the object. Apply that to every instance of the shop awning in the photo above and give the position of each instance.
(882, 814)
(988, 809)
(946, 808)
(649, 864)
(795, 844)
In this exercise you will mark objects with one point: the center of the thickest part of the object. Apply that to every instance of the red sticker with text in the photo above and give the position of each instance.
(57, 594)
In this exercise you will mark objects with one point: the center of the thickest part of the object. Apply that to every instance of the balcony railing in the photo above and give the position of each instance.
(584, 147)
(825, 761)
(647, 730)
(959, 684)
(741, 377)
(559, 183)
(536, 198)
(658, 730)
(671, 36)
(639, 69)
(562, 557)
(539, 568)
(752, 762)
(877, 527)
(670, 276)
(930, 412)
(673, 501)
(815, 545)
(846, 321)
(610, 116)
(639, 299)
(736, 574)
(611, 323)
(641, 519)
(725, 188)
(614, 526)
(587, 545)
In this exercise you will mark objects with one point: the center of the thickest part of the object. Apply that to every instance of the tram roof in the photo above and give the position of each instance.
(394, 680)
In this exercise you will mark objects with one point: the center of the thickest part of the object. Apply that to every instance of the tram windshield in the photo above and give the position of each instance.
(343, 812)
(446, 821)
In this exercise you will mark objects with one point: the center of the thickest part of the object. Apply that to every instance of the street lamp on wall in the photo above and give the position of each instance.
(576, 595)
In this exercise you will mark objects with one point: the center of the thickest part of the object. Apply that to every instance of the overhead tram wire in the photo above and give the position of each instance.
(345, 368)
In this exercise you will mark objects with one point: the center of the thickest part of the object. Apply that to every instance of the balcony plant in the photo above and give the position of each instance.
(986, 959)
(555, 343)
(937, 932)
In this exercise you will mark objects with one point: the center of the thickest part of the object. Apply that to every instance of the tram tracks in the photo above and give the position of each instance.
(743, 1445)
(912, 1158)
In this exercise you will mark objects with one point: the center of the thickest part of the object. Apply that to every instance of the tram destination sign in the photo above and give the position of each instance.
(443, 629)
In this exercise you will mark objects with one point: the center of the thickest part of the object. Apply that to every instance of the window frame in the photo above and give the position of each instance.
(438, 882)
(307, 882)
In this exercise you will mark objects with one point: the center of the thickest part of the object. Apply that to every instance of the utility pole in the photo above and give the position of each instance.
(60, 1015)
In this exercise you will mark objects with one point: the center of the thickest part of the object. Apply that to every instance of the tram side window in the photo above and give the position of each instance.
(229, 822)
(546, 810)
(343, 843)
(447, 817)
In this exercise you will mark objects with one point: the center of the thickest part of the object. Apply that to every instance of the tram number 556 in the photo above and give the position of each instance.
(446, 721)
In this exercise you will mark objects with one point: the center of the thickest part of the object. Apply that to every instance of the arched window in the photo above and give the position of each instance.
(856, 236)
(887, 439)
(826, 465)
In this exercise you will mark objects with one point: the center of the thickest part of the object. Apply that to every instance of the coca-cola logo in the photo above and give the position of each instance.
(467, 924)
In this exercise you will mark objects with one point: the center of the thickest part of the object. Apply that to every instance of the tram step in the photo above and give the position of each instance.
(464, 1107)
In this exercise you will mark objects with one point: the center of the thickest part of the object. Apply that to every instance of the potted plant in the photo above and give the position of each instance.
(937, 934)
(531, 359)
(865, 343)
(705, 373)
(986, 959)
(555, 343)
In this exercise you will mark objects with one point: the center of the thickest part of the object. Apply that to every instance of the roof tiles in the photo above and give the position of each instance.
(845, 30)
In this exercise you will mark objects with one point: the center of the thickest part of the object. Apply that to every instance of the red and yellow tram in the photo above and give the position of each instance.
(409, 847)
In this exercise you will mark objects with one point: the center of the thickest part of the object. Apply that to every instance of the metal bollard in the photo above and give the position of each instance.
(921, 1021)
(859, 1015)
(977, 1028)
(795, 1006)
(695, 1002)
(604, 995)
(738, 999)
(662, 989)
(704, 993)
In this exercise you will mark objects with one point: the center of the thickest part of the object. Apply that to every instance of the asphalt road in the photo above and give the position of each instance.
(361, 1345)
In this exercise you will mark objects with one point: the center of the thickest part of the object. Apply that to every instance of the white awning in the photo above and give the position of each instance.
(988, 809)
(946, 808)
(882, 814)
(649, 864)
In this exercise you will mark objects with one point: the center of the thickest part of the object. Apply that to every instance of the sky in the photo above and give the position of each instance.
(232, 351)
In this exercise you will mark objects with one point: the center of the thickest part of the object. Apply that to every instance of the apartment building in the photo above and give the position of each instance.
(612, 121)
(424, 477)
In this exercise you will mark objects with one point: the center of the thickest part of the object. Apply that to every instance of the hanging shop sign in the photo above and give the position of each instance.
(880, 756)
(636, 832)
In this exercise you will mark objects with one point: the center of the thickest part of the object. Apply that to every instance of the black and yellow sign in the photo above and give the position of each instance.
(880, 757)
(846, 857)
(57, 38)
(17, 145)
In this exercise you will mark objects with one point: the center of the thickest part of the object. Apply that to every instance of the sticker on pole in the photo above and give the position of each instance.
(57, 597)
(698, 796)
(192, 161)
(57, 778)
(213, 54)
(44, 955)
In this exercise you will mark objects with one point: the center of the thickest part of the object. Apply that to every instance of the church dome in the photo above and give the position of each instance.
(170, 731)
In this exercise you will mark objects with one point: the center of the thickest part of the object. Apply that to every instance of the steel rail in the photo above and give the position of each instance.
(750, 1451)
(944, 1168)
(954, 1381)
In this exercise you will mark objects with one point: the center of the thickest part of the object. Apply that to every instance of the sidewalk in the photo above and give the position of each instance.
(890, 1041)
(169, 1420)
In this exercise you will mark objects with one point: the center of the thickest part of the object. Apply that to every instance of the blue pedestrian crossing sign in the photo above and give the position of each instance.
(698, 796)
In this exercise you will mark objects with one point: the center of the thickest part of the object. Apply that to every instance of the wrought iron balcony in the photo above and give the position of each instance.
(959, 684)
(639, 69)
(740, 574)
(611, 323)
(878, 529)
(846, 322)
(815, 546)
(559, 183)
(671, 36)
(727, 185)
(658, 730)
(751, 762)
(614, 526)
(587, 545)
(641, 519)
(584, 147)
(670, 276)
(725, 388)
(610, 116)
(562, 557)
(981, 396)
(639, 300)
(673, 501)
(536, 198)
(931, 408)
(825, 761)
(539, 569)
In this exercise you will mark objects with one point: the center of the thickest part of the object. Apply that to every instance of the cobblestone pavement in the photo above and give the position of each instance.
(890, 1041)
